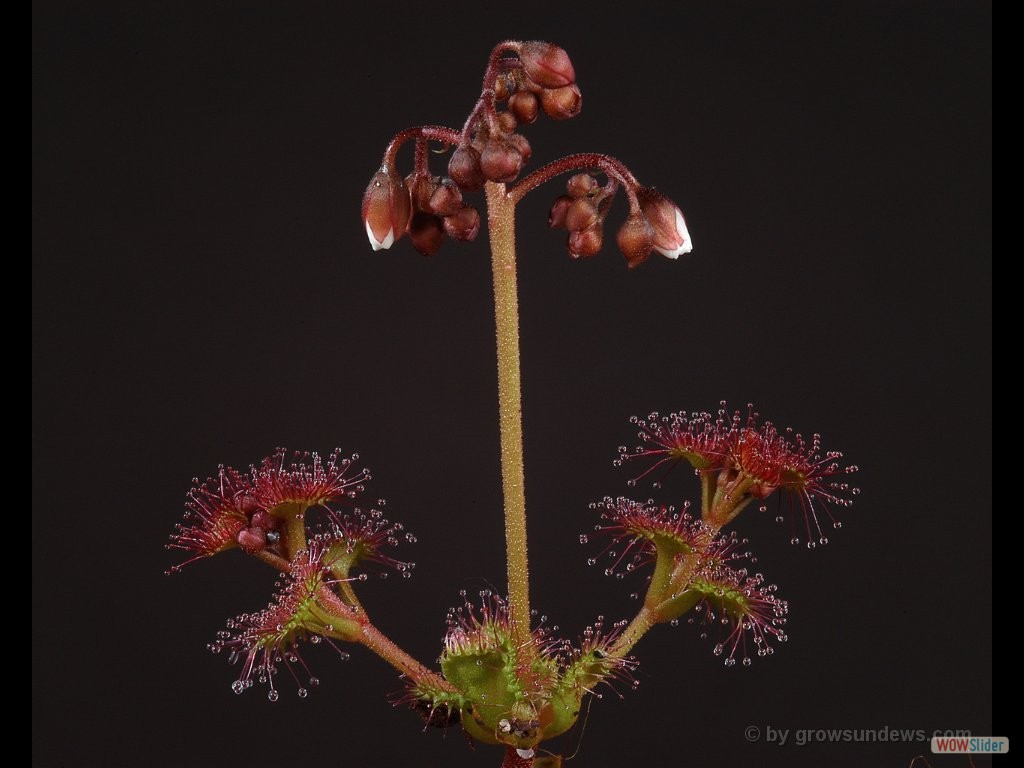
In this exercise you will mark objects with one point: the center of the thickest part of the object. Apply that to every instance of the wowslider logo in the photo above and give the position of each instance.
(975, 745)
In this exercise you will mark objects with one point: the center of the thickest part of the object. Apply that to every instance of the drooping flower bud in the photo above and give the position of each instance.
(502, 87)
(581, 184)
(426, 232)
(586, 242)
(561, 103)
(547, 64)
(671, 237)
(463, 225)
(556, 217)
(580, 215)
(386, 208)
(636, 240)
(501, 161)
(421, 186)
(446, 199)
(521, 145)
(524, 106)
(507, 121)
(464, 169)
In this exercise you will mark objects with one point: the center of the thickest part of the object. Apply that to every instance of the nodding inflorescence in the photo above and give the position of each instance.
(523, 80)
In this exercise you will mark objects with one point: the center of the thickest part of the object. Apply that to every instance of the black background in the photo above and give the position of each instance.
(203, 291)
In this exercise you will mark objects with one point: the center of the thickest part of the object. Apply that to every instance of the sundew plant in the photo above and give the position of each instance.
(505, 677)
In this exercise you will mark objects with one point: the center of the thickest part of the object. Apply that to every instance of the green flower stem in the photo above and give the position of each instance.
(379, 643)
(501, 227)
(707, 492)
(638, 627)
(729, 500)
(384, 647)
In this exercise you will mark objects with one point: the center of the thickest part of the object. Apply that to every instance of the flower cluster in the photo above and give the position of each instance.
(522, 80)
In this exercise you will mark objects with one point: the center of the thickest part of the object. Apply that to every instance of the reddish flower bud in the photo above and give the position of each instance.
(636, 240)
(464, 169)
(586, 242)
(421, 186)
(463, 225)
(386, 208)
(581, 185)
(426, 232)
(507, 122)
(547, 64)
(521, 145)
(556, 217)
(251, 540)
(561, 103)
(671, 237)
(580, 215)
(500, 161)
(524, 106)
(446, 199)
(501, 88)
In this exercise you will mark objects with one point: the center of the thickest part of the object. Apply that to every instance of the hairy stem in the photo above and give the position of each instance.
(638, 627)
(384, 647)
(501, 226)
(582, 161)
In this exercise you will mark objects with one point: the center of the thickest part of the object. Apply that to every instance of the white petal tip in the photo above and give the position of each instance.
(376, 244)
(675, 252)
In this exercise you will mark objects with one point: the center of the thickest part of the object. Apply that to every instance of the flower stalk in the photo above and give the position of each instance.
(501, 228)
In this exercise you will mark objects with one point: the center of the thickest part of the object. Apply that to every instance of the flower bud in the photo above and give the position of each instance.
(446, 199)
(524, 106)
(586, 242)
(636, 240)
(507, 122)
(556, 217)
(421, 186)
(521, 145)
(426, 233)
(561, 103)
(386, 208)
(464, 169)
(547, 64)
(501, 88)
(463, 225)
(501, 161)
(580, 215)
(581, 185)
(671, 237)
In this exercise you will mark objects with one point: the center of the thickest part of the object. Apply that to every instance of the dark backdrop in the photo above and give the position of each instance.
(203, 291)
